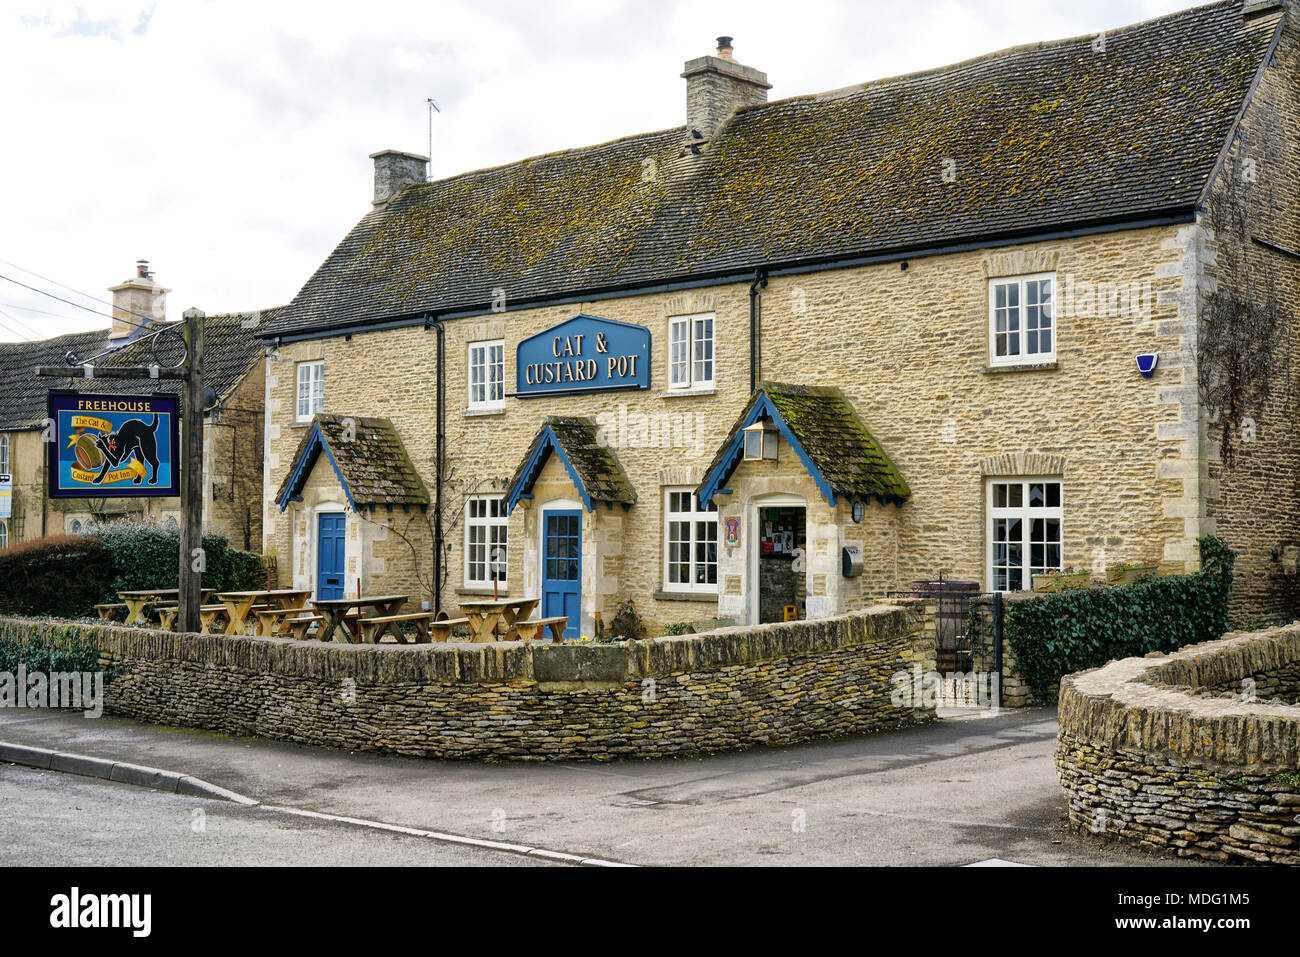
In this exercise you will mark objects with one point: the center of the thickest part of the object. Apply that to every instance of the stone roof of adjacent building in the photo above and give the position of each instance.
(595, 468)
(232, 344)
(839, 451)
(368, 457)
(1042, 138)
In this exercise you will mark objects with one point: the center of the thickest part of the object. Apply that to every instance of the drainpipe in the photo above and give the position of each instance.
(439, 458)
(756, 327)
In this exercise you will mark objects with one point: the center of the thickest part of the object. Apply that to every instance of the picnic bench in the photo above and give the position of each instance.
(107, 610)
(483, 617)
(534, 628)
(374, 629)
(139, 601)
(239, 604)
(343, 615)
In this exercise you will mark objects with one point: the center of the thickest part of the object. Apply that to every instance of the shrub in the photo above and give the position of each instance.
(61, 575)
(1054, 635)
(144, 555)
(626, 625)
(67, 652)
(679, 628)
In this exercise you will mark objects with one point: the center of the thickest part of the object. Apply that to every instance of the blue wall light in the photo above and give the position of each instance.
(1147, 362)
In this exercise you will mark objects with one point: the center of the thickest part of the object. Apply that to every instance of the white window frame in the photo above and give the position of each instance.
(479, 357)
(694, 369)
(1021, 284)
(314, 401)
(493, 526)
(4, 454)
(692, 519)
(1027, 514)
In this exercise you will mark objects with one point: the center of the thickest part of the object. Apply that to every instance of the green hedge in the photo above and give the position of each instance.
(60, 575)
(65, 652)
(67, 575)
(145, 555)
(1057, 634)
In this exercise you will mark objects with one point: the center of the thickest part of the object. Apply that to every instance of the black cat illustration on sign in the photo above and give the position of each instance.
(133, 438)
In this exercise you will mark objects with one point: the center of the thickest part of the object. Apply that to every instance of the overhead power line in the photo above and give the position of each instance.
(84, 295)
(14, 319)
(75, 305)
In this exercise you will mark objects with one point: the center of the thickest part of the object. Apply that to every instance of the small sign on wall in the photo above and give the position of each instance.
(732, 538)
(584, 354)
(6, 495)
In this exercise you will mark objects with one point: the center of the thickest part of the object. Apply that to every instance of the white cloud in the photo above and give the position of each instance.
(228, 141)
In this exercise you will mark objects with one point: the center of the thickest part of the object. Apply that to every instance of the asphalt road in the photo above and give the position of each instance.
(63, 819)
(953, 793)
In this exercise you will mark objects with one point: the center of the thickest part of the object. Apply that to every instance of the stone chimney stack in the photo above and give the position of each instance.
(394, 170)
(716, 86)
(136, 300)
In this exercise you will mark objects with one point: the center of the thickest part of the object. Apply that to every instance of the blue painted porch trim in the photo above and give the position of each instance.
(302, 468)
(546, 443)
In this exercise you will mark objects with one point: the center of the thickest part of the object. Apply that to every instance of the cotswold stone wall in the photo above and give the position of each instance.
(731, 688)
(1198, 751)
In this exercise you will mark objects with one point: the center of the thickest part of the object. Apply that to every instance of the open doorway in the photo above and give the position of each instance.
(782, 579)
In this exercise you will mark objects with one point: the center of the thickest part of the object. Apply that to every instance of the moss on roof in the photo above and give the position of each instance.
(599, 472)
(1040, 138)
(369, 454)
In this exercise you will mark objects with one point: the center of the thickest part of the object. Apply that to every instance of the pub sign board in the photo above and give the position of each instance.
(583, 354)
(113, 446)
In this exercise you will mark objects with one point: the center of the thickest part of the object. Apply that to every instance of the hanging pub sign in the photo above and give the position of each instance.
(583, 354)
(113, 446)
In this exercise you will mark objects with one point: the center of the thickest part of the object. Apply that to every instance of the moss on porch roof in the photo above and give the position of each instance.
(595, 468)
(831, 438)
(368, 456)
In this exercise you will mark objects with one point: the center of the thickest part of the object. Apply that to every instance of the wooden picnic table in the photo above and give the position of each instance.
(346, 611)
(138, 599)
(484, 616)
(240, 603)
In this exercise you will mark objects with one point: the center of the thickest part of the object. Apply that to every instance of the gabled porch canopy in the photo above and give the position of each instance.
(596, 471)
(825, 433)
(368, 458)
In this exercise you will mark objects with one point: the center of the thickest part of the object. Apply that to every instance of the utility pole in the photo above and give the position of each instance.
(192, 557)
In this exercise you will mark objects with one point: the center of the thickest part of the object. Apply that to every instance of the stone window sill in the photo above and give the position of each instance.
(474, 413)
(300, 425)
(686, 393)
(686, 596)
(1022, 367)
(476, 591)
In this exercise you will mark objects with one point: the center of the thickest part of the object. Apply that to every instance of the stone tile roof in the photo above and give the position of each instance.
(1042, 138)
(232, 344)
(840, 453)
(368, 457)
(597, 473)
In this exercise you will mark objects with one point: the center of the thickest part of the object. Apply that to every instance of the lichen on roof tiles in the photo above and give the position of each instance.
(370, 456)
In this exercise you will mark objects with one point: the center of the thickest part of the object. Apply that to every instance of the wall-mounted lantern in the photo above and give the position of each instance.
(760, 441)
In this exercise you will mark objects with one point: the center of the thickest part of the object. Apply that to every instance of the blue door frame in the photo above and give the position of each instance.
(331, 535)
(562, 567)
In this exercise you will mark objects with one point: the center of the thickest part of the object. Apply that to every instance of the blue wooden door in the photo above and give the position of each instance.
(330, 534)
(562, 567)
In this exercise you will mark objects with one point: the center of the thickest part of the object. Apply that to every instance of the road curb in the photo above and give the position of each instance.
(138, 775)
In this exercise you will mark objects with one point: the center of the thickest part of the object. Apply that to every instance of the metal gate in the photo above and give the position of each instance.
(967, 636)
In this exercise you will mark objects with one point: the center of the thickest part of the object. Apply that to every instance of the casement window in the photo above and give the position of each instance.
(485, 540)
(690, 543)
(690, 352)
(4, 455)
(311, 389)
(1022, 323)
(487, 376)
(1024, 531)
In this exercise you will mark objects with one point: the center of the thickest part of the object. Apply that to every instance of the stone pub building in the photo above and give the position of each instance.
(1025, 312)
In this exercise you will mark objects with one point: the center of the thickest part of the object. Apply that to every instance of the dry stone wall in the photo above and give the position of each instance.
(726, 689)
(1163, 753)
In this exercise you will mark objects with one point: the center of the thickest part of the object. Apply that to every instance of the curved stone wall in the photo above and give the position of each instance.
(730, 688)
(1196, 751)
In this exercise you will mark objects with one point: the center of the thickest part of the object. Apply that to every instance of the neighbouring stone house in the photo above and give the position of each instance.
(1029, 311)
(233, 426)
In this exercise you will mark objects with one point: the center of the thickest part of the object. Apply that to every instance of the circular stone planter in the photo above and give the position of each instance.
(1196, 752)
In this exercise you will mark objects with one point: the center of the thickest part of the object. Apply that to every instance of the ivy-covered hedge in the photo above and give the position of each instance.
(1056, 634)
(67, 575)
(144, 555)
(60, 575)
(65, 652)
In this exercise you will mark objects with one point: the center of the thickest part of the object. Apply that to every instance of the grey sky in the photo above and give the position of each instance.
(227, 141)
